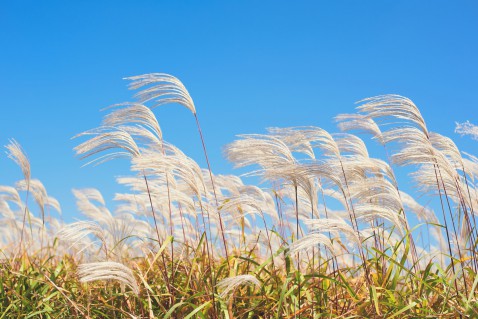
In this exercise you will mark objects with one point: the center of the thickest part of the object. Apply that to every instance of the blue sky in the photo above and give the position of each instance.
(247, 64)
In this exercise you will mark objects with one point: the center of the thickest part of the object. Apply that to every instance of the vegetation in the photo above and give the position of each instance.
(329, 234)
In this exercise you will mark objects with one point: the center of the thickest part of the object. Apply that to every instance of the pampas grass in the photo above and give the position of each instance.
(328, 233)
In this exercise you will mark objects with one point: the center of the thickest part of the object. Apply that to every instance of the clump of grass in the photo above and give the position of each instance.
(327, 233)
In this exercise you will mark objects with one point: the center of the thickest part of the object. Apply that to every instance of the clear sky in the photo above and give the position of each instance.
(247, 64)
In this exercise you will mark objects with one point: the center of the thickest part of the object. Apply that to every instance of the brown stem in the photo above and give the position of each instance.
(157, 231)
(297, 237)
(171, 226)
(213, 187)
(25, 215)
(353, 220)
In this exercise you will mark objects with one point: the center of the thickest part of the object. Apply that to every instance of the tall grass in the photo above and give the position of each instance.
(328, 233)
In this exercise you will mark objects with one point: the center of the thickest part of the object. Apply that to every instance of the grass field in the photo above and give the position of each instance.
(328, 233)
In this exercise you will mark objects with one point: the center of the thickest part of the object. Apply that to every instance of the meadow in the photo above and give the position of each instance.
(327, 231)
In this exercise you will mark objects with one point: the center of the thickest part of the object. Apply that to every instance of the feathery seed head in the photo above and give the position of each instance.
(162, 88)
(108, 270)
(230, 284)
(16, 153)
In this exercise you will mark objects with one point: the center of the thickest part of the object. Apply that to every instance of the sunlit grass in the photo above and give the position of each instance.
(327, 234)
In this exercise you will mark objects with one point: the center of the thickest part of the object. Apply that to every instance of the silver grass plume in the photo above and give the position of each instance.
(127, 114)
(263, 197)
(310, 241)
(317, 138)
(10, 194)
(359, 122)
(446, 145)
(370, 212)
(118, 142)
(231, 183)
(264, 150)
(162, 88)
(471, 165)
(296, 139)
(38, 190)
(422, 213)
(392, 105)
(16, 153)
(230, 284)
(350, 145)
(108, 270)
(243, 204)
(334, 226)
(77, 234)
(416, 147)
(131, 202)
(177, 165)
(90, 203)
(448, 148)
(426, 180)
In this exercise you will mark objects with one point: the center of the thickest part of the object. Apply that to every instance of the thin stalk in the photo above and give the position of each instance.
(152, 209)
(436, 168)
(171, 227)
(279, 210)
(213, 186)
(353, 220)
(446, 227)
(335, 262)
(157, 230)
(25, 216)
(170, 214)
(466, 217)
(182, 226)
(297, 235)
(454, 228)
(469, 197)
(407, 227)
(313, 255)
(269, 241)
(472, 214)
(210, 255)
